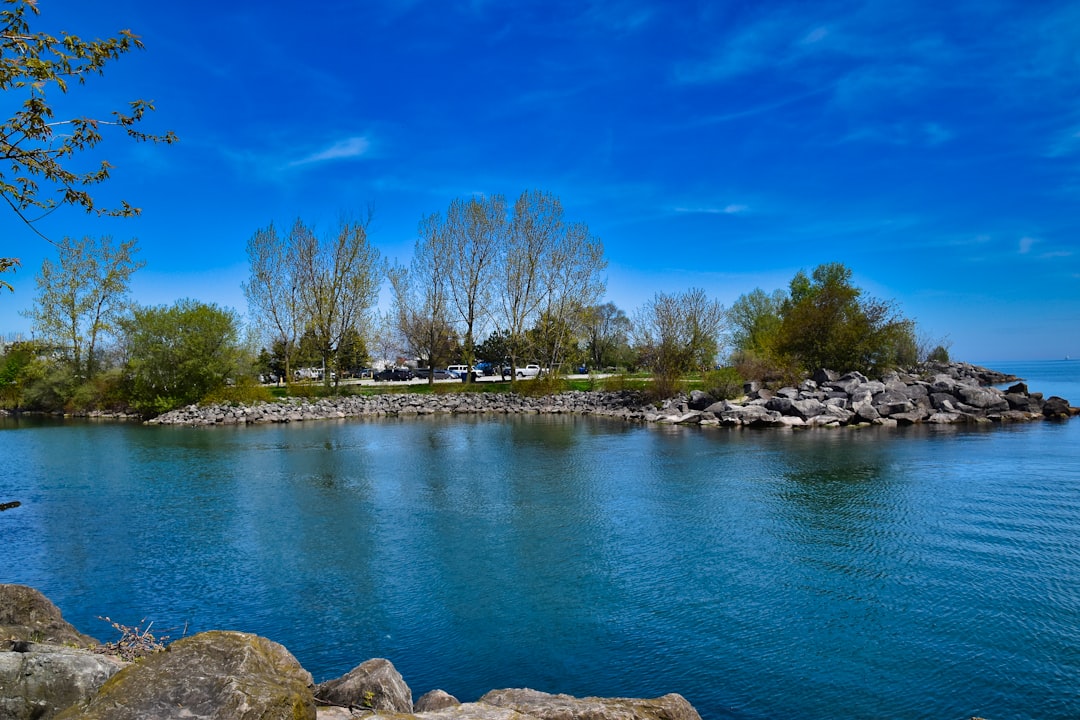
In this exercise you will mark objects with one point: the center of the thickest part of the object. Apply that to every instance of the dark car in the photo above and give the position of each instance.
(394, 374)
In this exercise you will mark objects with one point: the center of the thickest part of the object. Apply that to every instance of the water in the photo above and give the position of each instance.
(911, 573)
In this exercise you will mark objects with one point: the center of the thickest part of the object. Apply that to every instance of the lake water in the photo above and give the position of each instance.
(908, 573)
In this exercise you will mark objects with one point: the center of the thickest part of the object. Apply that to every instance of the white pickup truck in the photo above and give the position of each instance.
(530, 370)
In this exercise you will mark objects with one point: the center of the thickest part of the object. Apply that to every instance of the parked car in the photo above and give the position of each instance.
(531, 370)
(486, 368)
(392, 374)
(457, 370)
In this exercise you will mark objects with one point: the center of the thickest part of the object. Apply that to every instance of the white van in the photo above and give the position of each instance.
(457, 370)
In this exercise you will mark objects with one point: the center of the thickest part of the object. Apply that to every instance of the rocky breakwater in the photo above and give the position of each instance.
(935, 394)
(219, 675)
(625, 405)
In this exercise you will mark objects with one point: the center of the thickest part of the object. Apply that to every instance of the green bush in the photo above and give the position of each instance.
(245, 391)
(723, 384)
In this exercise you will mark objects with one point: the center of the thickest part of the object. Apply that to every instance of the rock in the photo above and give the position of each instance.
(982, 398)
(807, 409)
(1056, 407)
(823, 376)
(215, 675)
(375, 684)
(891, 401)
(435, 700)
(1018, 389)
(780, 404)
(700, 400)
(27, 615)
(38, 681)
(545, 706)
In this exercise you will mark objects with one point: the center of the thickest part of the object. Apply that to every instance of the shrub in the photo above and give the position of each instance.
(244, 391)
(723, 384)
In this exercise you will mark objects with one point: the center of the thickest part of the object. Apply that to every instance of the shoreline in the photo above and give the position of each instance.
(947, 394)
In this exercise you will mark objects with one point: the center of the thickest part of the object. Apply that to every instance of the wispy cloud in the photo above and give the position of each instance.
(351, 147)
(1026, 243)
(732, 209)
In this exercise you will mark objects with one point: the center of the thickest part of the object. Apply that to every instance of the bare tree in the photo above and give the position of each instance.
(339, 284)
(548, 270)
(82, 297)
(607, 331)
(681, 332)
(476, 230)
(422, 296)
(274, 288)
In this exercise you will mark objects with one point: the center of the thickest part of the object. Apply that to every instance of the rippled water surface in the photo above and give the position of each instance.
(912, 573)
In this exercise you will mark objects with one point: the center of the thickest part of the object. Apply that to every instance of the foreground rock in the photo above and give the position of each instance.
(533, 703)
(37, 681)
(28, 616)
(213, 675)
(373, 685)
(936, 394)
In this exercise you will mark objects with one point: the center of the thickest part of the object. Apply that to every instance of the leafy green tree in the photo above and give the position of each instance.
(179, 354)
(16, 369)
(755, 319)
(39, 171)
(352, 355)
(495, 347)
(829, 323)
(82, 297)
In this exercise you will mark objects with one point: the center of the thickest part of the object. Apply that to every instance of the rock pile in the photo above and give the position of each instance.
(221, 675)
(937, 394)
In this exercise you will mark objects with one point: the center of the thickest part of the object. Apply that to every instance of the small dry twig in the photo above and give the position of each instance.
(135, 642)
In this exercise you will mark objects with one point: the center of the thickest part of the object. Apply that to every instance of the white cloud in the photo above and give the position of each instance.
(352, 147)
(1025, 244)
(732, 209)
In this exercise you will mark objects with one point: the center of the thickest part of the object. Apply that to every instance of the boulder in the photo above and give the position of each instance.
(545, 706)
(435, 700)
(780, 404)
(27, 615)
(215, 675)
(700, 400)
(38, 681)
(807, 409)
(375, 685)
(1056, 407)
(982, 397)
(890, 402)
(823, 376)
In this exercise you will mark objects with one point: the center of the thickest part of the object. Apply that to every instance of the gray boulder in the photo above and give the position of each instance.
(214, 675)
(983, 398)
(435, 700)
(807, 409)
(375, 685)
(700, 400)
(545, 706)
(38, 681)
(27, 615)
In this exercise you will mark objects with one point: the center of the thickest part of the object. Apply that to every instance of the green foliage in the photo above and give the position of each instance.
(823, 322)
(82, 297)
(16, 371)
(37, 147)
(939, 354)
(179, 354)
(546, 385)
(723, 384)
(7, 264)
(245, 391)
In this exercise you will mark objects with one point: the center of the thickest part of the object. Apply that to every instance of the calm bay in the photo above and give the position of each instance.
(923, 572)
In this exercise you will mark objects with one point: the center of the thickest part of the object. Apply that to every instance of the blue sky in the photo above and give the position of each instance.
(932, 147)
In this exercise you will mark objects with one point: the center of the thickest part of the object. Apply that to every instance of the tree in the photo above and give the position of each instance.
(273, 290)
(755, 320)
(678, 333)
(5, 265)
(607, 330)
(476, 230)
(829, 323)
(35, 147)
(179, 354)
(339, 284)
(422, 296)
(83, 296)
(547, 268)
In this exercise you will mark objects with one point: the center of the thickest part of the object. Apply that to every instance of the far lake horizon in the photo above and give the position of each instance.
(922, 572)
